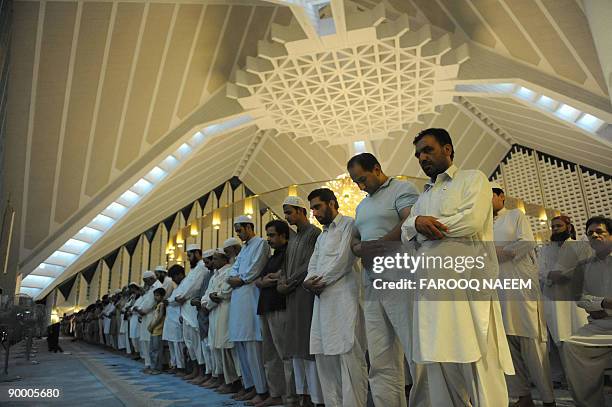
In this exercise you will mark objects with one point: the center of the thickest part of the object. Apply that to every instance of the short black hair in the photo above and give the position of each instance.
(367, 161)
(600, 220)
(498, 191)
(175, 270)
(281, 227)
(325, 195)
(441, 136)
(160, 290)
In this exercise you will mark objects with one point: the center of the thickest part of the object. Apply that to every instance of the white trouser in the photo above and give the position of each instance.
(135, 344)
(206, 354)
(126, 339)
(307, 379)
(227, 358)
(478, 384)
(145, 352)
(530, 359)
(191, 336)
(251, 365)
(344, 378)
(584, 369)
(388, 323)
(121, 341)
(176, 354)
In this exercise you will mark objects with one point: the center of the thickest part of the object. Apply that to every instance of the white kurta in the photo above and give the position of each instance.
(218, 330)
(134, 324)
(522, 310)
(148, 306)
(461, 200)
(123, 327)
(244, 323)
(190, 288)
(108, 310)
(333, 330)
(562, 317)
(173, 331)
(168, 285)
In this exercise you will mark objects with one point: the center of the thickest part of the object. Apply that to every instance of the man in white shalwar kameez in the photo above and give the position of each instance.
(216, 300)
(146, 310)
(190, 287)
(244, 323)
(107, 311)
(134, 323)
(337, 337)
(173, 329)
(166, 282)
(522, 311)
(460, 341)
(557, 262)
(588, 353)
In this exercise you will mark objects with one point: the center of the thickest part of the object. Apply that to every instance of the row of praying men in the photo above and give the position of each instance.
(305, 326)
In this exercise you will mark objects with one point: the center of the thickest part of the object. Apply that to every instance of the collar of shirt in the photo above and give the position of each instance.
(383, 185)
(334, 223)
(448, 174)
(500, 213)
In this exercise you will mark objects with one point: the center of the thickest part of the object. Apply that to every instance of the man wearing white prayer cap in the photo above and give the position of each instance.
(189, 314)
(162, 275)
(244, 324)
(231, 247)
(207, 374)
(146, 311)
(522, 311)
(134, 323)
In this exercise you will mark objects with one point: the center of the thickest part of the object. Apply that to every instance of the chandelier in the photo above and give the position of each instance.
(348, 194)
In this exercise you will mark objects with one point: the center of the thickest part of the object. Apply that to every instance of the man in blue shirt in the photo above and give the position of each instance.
(378, 221)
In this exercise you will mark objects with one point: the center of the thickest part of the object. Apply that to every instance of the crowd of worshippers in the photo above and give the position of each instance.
(305, 325)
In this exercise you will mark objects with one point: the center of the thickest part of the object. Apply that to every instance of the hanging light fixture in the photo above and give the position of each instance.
(248, 206)
(193, 230)
(292, 190)
(179, 238)
(216, 219)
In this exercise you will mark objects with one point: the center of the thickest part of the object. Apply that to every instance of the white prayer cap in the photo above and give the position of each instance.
(133, 284)
(295, 201)
(208, 253)
(220, 250)
(495, 185)
(192, 246)
(232, 241)
(148, 274)
(117, 291)
(243, 219)
(160, 268)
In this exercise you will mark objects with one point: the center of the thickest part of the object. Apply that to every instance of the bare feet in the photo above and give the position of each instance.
(270, 401)
(241, 392)
(259, 398)
(248, 395)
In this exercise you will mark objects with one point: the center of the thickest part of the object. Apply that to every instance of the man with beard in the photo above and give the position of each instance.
(189, 314)
(378, 220)
(210, 372)
(557, 263)
(301, 369)
(146, 312)
(522, 311)
(459, 338)
(173, 330)
(336, 333)
(588, 353)
(216, 300)
(231, 247)
(244, 324)
(166, 282)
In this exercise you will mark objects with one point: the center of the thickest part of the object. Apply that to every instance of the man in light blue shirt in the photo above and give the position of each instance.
(244, 323)
(379, 217)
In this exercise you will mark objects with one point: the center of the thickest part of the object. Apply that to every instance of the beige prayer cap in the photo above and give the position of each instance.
(220, 250)
(243, 219)
(295, 201)
(192, 246)
(160, 268)
(148, 274)
(495, 185)
(232, 241)
(208, 253)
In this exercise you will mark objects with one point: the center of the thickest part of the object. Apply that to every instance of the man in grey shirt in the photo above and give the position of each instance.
(379, 217)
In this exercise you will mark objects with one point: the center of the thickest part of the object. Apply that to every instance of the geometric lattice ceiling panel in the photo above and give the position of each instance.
(359, 85)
